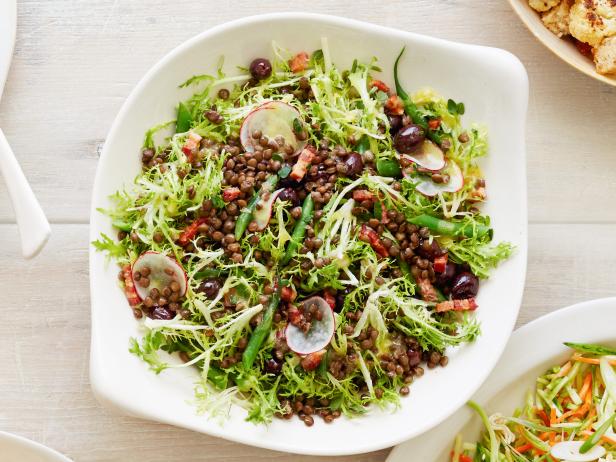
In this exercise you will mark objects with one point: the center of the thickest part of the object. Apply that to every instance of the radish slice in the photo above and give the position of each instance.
(456, 180)
(272, 119)
(263, 212)
(163, 271)
(570, 451)
(320, 333)
(429, 156)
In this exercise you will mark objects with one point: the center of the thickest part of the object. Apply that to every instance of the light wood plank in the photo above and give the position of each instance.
(76, 62)
(44, 327)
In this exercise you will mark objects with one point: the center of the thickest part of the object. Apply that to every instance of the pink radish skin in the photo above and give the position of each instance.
(429, 188)
(159, 279)
(272, 119)
(428, 156)
(320, 333)
(263, 215)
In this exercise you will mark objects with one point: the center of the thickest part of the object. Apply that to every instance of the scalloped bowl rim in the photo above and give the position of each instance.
(123, 382)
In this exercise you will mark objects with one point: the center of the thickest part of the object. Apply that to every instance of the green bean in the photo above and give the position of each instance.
(388, 167)
(246, 216)
(261, 331)
(122, 225)
(208, 273)
(596, 436)
(300, 229)
(183, 120)
(448, 228)
(217, 377)
(411, 108)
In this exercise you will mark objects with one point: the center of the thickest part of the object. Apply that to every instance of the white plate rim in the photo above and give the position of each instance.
(113, 399)
(561, 324)
(37, 449)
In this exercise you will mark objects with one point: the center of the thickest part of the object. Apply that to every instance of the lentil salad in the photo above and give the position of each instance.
(309, 238)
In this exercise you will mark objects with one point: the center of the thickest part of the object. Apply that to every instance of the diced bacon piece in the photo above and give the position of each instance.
(191, 231)
(467, 304)
(129, 286)
(288, 294)
(294, 315)
(394, 105)
(299, 62)
(434, 123)
(440, 263)
(361, 195)
(367, 234)
(230, 194)
(427, 290)
(311, 361)
(191, 145)
(379, 84)
(303, 162)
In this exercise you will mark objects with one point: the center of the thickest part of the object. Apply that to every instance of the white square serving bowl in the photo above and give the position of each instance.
(494, 87)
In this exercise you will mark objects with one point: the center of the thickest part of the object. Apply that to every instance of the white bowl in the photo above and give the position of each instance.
(493, 85)
(531, 351)
(564, 49)
(14, 448)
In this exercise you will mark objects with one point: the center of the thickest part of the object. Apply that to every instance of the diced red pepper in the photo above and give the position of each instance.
(369, 235)
(129, 286)
(467, 304)
(230, 194)
(461, 458)
(299, 62)
(394, 105)
(311, 361)
(361, 195)
(380, 85)
(434, 123)
(440, 263)
(191, 145)
(288, 294)
(303, 162)
(330, 299)
(191, 231)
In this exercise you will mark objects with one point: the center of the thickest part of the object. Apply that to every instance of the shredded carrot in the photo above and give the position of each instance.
(579, 412)
(552, 416)
(583, 359)
(564, 370)
(545, 435)
(543, 416)
(586, 386)
(524, 448)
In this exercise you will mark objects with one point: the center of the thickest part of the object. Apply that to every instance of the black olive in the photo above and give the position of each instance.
(210, 288)
(260, 68)
(464, 285)
(354, 164)
(409, 138)
(395, 123)
(161, 312)
(444, 279)
(272, 366)
(289, 195)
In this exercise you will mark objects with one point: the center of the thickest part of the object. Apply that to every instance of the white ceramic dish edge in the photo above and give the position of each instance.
(530, 346)
(15, 448)
(108, 392)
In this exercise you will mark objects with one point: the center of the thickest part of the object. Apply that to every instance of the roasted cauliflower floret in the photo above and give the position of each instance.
(590, 21)
(543, 5)
(605, 56)
(557, 19)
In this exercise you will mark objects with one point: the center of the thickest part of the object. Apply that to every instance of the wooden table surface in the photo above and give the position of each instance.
(75, 63)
